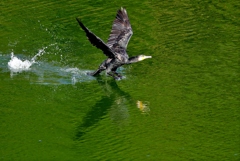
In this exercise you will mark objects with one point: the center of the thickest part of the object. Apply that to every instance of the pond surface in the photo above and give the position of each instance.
(183, 104)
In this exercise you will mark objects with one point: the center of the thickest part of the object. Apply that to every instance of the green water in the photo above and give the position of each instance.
(190, 86)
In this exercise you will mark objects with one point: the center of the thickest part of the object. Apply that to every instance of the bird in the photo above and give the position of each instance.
(116, 46)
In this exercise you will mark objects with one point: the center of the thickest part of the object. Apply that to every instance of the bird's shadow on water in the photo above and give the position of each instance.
(115, 102)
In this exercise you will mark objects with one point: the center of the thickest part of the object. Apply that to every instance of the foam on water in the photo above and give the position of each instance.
(18, 65)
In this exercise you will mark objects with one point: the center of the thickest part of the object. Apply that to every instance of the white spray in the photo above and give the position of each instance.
(18, 65)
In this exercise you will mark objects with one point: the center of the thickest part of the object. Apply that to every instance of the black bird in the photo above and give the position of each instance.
(115, 48)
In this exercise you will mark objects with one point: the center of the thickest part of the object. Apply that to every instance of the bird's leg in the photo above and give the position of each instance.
(111, 73)
(118, 75)
(115, 75)
(111, 70)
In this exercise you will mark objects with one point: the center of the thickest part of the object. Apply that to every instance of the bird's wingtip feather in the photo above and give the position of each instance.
(78, 19)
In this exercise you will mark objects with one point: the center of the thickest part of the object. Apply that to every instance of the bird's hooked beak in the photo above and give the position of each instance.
(142, 57)
(146, 57)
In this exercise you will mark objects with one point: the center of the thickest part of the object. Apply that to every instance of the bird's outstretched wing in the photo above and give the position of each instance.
(96, 41)
(121, 30)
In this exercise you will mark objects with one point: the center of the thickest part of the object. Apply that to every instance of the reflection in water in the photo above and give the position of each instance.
(115, 102)
(143, 107)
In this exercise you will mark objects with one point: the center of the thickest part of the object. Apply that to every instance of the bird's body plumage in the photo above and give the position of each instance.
(115, 48)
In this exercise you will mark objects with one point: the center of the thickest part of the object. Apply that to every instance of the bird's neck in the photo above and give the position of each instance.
(133, 59)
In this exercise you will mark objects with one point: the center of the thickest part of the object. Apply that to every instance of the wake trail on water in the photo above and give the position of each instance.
(45, 72)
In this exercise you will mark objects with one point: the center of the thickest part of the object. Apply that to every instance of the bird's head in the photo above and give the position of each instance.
(142, 57)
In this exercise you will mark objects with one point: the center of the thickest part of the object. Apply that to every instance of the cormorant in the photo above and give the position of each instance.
(115, 48)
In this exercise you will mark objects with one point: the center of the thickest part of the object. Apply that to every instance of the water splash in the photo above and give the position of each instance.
(17, 65)
(41, 52)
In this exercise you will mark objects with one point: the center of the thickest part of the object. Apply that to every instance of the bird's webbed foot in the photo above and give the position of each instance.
(118, 75)
(115, 75)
